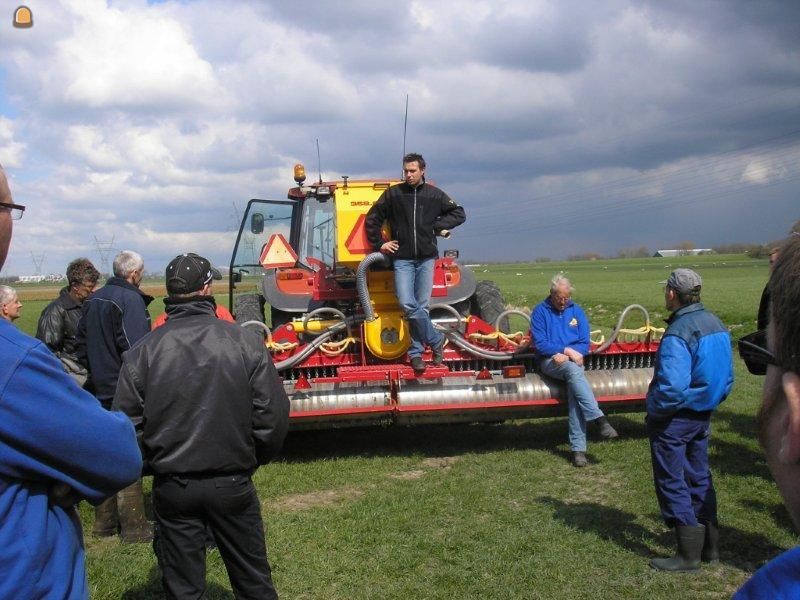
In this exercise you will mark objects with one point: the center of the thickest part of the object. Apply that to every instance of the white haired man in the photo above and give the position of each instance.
(10, 306)
(560, 334)
(112, 320)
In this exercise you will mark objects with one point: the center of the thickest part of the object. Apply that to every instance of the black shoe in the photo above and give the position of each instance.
(418, 364)
(438, 352)
(607, 432)
(579, 459)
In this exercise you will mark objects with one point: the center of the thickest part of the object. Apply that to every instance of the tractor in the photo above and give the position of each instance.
(326, 305)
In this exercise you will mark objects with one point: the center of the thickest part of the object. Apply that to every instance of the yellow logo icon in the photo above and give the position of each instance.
(574, 322)
(23, 17)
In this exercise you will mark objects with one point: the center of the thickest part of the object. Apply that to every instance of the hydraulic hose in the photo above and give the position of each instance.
(361, 281)
(323, 310)
(460, 341)
(621, 319)
(313, 345)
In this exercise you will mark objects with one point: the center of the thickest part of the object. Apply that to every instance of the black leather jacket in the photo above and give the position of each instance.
(416, 215)
(58, 324)
(203, 394)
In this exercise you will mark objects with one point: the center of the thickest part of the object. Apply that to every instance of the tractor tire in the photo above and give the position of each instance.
(279, 317)
(248, 307)
(487, 303)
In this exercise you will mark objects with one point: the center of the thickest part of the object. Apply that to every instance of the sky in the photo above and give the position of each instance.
(562, 126)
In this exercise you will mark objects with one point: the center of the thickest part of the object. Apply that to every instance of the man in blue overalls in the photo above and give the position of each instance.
(693, 374)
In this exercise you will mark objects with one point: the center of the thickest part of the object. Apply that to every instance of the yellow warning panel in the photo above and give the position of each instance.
(277, 253)
(23, 17)
(352, 204)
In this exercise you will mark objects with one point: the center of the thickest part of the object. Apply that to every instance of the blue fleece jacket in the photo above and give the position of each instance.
(51, 432)
(779, 579)
(552, 331)
(694, 364)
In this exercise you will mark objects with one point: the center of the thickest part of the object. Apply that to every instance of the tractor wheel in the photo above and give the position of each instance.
(487, 303)
(248, 307)
(280, 317)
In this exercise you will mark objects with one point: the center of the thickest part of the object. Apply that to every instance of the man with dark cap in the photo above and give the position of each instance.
(208, 408)
(693, 374)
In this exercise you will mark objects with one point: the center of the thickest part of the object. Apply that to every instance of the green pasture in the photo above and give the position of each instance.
(496, 510)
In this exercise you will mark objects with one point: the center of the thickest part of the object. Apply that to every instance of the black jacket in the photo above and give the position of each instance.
(58, 324)
(203, 394)
(415, 215)
(113, 319)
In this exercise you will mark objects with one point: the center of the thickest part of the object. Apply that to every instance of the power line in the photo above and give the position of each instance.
(104, 250)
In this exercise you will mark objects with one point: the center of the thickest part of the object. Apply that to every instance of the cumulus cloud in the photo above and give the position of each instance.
(12, 151)
(565, 125)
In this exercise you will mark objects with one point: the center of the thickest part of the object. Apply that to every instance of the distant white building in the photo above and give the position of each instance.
(682, 252)
(52, 277)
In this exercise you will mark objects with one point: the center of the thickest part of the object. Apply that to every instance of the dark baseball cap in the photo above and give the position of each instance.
(189, 273)
(684, 281)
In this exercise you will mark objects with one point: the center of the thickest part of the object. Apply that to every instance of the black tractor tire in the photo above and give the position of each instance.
(248, 307)
(280, 317)
(487, 303)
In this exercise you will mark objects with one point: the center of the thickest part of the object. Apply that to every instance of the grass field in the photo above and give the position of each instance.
(496, 511)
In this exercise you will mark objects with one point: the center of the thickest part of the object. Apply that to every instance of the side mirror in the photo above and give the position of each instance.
(256, 223)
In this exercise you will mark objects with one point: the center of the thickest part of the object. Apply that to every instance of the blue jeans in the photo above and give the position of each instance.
(413, 284)
(580, 399)
(679, 451)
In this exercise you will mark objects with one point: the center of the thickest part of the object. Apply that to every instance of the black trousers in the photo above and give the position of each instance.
(228, 505)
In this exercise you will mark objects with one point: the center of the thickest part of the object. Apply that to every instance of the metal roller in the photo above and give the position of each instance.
(457, 399)
(339, 396)
(466, 390)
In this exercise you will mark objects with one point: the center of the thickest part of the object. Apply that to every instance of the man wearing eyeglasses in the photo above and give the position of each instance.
(693, 374)
(51, 434)
(778, 356)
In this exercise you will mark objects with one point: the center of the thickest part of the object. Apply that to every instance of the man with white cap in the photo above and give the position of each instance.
(208, 407)
(693, 374)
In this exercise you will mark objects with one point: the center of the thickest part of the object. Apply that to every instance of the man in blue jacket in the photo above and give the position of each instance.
(779, 415)
(112, 320)
(693, 374)
(57, 446)
(560, 334)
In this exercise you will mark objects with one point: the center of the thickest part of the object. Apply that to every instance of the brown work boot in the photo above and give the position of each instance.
(105, 518)
(418, 364)
(579, 459)
(134, 526)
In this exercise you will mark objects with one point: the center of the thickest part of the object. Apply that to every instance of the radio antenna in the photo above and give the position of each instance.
(405, 127)
(319, 162)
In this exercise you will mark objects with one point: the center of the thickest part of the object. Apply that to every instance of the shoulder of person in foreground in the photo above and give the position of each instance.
(51, 429)
(779, 579)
